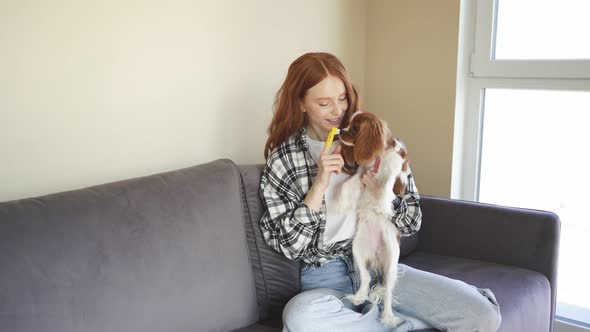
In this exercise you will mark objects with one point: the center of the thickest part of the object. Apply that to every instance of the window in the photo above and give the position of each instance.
(523, 116)
(553, 30)
(531, 39)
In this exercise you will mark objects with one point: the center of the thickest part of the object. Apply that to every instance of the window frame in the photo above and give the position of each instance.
(482, 63)
(476, 72)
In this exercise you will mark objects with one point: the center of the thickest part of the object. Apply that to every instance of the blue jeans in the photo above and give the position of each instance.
(424, 300)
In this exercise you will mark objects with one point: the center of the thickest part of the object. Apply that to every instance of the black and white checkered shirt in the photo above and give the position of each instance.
(290, 227)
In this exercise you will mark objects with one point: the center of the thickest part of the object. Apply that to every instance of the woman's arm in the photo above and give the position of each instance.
(288, 223)
(291, 215)
(407, 216)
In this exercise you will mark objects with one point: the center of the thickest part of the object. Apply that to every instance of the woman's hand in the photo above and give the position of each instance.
(329, 163)
(369, 180)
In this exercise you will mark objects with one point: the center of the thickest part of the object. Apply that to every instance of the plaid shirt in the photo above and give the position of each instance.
(290, 227)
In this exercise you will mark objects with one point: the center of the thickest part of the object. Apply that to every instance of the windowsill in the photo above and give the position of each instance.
(566, 325)
(573, 314)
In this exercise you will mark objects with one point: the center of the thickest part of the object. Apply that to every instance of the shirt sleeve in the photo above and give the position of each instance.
(287, 224)
(407, 215)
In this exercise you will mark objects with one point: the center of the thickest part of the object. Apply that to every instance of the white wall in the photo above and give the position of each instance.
(97, 91)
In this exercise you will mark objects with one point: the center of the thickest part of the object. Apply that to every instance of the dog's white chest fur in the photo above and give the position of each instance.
(371, 235)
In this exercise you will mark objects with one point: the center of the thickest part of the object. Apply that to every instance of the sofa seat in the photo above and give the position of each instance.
(258, 327)
(524, 295)
(520, 292)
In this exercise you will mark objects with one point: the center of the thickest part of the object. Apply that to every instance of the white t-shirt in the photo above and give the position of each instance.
(339, 226)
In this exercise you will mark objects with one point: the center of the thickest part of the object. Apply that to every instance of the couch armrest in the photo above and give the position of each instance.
(503, 235)
(497, 234)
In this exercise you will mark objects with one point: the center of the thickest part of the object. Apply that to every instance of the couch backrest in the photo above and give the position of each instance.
(277, 278)
(160, 253)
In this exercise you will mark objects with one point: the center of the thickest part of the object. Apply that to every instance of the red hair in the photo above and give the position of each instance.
(304, 73)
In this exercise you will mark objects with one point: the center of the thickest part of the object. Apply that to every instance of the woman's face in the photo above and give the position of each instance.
(324, 105)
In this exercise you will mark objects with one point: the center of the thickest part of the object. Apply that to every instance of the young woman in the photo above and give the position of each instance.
(300, 177)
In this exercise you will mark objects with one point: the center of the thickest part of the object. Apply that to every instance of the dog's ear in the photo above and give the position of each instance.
(369, 142)
(347, 155)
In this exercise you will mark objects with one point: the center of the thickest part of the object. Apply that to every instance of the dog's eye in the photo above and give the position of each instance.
(354, 128)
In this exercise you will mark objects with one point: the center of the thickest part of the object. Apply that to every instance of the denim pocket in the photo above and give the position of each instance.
(332, 274)
(306, 267)
(331, 266)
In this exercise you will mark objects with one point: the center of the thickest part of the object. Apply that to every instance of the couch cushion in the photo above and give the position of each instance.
(259, 328)
(160, 253)
(408, 244)
(277, 277)
(524, 295)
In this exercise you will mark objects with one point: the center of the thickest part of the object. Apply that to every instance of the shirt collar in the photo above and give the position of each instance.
(301, 138)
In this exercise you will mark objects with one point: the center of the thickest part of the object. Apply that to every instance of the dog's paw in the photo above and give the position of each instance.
(391, 320)
(357, 299)
(377, 293)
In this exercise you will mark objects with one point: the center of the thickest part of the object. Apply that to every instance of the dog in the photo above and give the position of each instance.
(367, 143)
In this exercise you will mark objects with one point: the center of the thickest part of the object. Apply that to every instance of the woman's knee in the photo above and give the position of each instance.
(308, 308)
(484, 315)
(487, 321)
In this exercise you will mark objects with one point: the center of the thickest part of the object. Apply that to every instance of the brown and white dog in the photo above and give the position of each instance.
(368, 143)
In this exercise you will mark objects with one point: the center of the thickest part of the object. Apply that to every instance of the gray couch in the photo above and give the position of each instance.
(182, 251)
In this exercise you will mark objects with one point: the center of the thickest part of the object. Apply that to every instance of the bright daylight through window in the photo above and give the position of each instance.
(536, 142)
(526, 96)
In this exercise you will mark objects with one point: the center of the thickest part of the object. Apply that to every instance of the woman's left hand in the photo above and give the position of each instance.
(369, 180)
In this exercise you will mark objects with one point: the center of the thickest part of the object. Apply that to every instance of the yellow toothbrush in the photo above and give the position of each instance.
(333, 132)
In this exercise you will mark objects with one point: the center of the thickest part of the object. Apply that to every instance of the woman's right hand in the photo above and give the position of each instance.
(330, 162)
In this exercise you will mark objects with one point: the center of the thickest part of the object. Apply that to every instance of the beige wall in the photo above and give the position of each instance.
(98, 91)
(410, 81)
